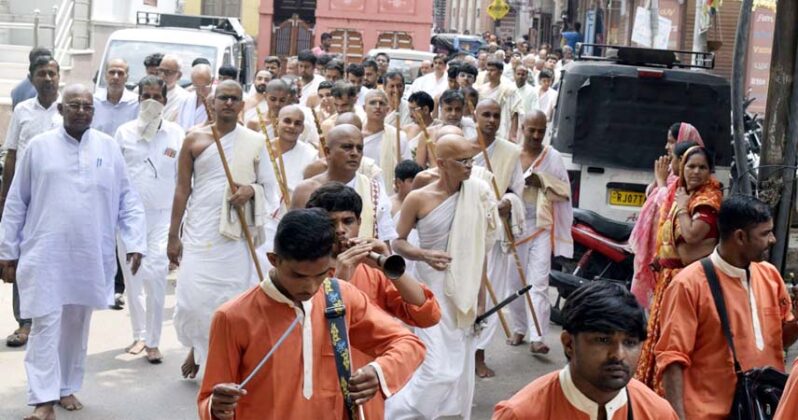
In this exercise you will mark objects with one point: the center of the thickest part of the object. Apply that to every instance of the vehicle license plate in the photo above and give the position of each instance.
(626, 198)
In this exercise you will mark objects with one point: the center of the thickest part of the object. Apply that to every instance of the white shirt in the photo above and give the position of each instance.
(386, 228)
(361, 96)
(584, 404)
(431, 84)
(192, 112)
(546, 102)
(529, 100)
(372, 145)
(174, 103)
(29, 119)
(68, 201)
(310, 89)
(152, 165)
(109, 116)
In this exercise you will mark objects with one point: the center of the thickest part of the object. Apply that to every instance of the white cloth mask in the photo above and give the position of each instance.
(150, 116)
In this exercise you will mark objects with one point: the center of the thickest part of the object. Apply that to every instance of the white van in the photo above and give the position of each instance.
(222, 41)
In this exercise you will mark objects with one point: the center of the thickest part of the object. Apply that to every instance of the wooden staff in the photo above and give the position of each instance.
(507, 229)
(277, 175)
(233, 189)
(398, 132)
(280, 160)
(427, 140)
(322, 141)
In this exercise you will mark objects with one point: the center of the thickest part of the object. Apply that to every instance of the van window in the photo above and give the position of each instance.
(134, 53)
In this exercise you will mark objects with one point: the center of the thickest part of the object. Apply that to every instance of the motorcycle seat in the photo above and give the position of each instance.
(565, 283)
(617, 231)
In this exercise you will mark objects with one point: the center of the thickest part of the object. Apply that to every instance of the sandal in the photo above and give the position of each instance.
(154, 355)
(19, 338)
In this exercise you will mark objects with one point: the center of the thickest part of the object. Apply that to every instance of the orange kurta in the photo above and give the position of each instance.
(245, 328)
(692, 335)
(545, 399)
(788, 406)
(384, 294)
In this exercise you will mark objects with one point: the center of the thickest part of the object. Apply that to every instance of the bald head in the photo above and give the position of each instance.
(454, 146)
(349, 118)
(230, 85)
(487, 104)
(294, 111)
(116, 73)
(536, 117)
(447, 130)
(201, 70)
(534, 129)
(341, 133)
(202, 79)
(375, 92)
(75, 90)
(170, 70)
(77, 109)
(277, 85)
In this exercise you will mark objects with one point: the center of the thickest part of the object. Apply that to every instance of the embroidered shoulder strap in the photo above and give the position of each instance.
(375, 202)
(334, 312)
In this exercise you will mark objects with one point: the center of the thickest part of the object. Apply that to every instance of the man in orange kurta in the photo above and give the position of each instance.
(693, 358)
(602, 333)
(300, 380)
(788, 406)
(404, 297)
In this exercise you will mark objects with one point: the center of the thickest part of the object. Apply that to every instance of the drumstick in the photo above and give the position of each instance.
(297, 320)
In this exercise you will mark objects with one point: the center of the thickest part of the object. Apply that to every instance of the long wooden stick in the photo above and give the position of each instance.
(279, 152)
(233, 189)
(277, 175)
(507, 229)
(398, 129)
(322, 141)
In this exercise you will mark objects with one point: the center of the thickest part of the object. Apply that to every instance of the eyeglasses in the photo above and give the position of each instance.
(465, 162)
(77, 106)
(225, 98)
(167, 72)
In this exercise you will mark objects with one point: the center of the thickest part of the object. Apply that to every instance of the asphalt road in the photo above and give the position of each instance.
(121, 386)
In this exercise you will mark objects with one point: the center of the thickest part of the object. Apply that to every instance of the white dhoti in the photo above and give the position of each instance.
(146, 289)
(55, 360)
(502, 275)
(444, 384)
(214, 268)
(535, 255)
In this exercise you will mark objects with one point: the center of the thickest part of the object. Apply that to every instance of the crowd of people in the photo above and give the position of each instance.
(277, 205)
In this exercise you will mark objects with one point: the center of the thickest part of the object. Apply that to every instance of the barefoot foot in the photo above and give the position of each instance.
(70, 403)
(482, 369)
(537, 347)
(135, 348)
(42, 412)
(516, 340)
(189, 368)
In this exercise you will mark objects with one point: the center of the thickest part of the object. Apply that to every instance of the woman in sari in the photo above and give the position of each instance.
(644, 236)
(688, 232)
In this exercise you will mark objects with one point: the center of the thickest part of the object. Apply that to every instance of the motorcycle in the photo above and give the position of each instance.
(752, 124)
(601, 253)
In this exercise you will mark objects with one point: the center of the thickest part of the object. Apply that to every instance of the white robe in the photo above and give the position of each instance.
(536, 252)
(191, 114)
(174, 103)
(547, 101)
(66, 203)
(214, 268)
(444, 384)
(431, 84)
(384, 152)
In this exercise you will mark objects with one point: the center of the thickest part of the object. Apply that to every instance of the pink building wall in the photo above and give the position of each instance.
(369, 17)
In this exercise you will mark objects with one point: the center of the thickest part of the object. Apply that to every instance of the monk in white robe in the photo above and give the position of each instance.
(504, 158)
(344, 155)
(70, 196)
(505, 94)
(380, 140)
(192, 110)
(150, 147)
(216, 264)
(453, 219)
(277, 94)
(548, 228)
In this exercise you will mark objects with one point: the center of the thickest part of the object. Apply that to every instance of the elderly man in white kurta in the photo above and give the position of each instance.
(504, 159)
(453, 220)
(70, 197)
(170, 70)
(192, 110)
(150, 146)
(216, 264)
(380, 140)
(505, 94)
(548, 229)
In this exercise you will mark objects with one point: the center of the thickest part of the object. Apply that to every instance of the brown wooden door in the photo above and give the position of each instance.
(349, 43)
(290, 37)
(395, 40)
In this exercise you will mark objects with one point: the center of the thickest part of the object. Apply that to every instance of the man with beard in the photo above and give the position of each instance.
(31, 117)
(262, 78)
(344, 96)
(150, 147)
(370, 74)
(306, 70)
(602, 331)
(354, 75)
(694, 361)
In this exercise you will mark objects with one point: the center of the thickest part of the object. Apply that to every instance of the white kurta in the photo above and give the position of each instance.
(386, 228)
(214, 268)
(152, 166)
(108, 117)
(191, 113)
(174, 102)
(296, 160)
(431, 84)
(373, 143)
(67, 201)
(444, 384)
(310, 89)
(29, 119)
(547, 101)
